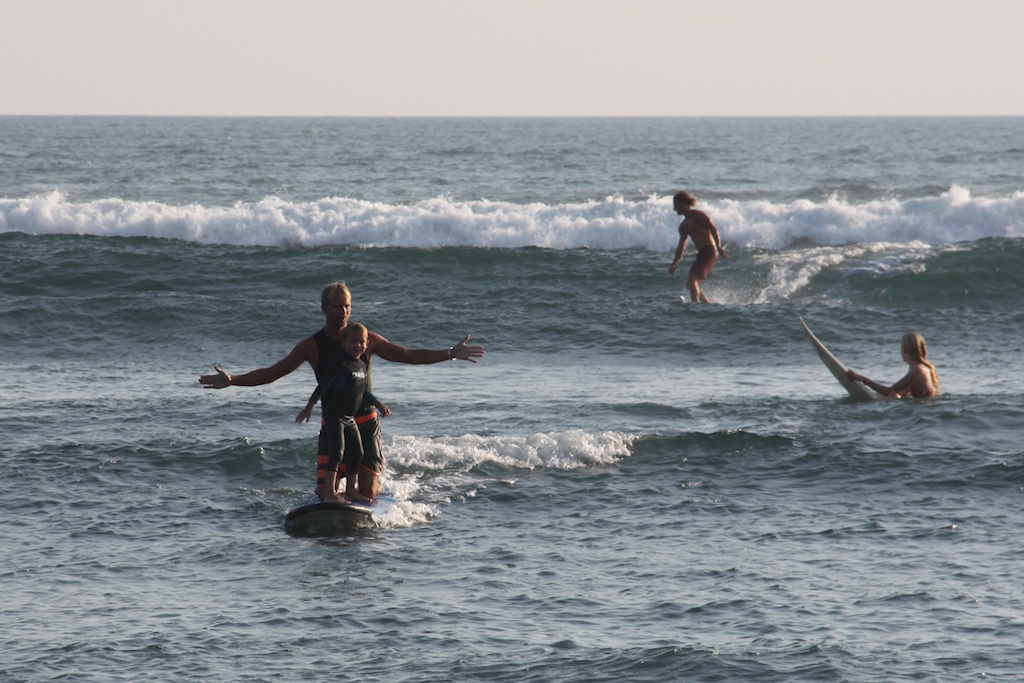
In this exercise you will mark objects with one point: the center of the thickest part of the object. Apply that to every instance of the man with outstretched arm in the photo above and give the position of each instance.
(320, 350)
(698, 226)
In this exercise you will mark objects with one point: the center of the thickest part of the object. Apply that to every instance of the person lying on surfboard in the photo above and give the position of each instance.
(921, 381)
(342, 392)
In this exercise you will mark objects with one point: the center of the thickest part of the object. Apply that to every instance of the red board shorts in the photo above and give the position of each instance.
(706, 260)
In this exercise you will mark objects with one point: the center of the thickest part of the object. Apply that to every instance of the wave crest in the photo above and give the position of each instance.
(611, 224)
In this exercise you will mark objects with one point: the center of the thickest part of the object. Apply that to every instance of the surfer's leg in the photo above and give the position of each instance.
(353, 455)
(699, 271)
(331, 442)
(369, 483)
(372, 465)
(321, 461)
(696, 294)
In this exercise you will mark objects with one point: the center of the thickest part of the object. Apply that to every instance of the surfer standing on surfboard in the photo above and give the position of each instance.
(696, 226)
(342, 394)
(921, 381)
(318, 350)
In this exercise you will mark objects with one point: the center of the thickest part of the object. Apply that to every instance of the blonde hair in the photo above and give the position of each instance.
(328, 294)
(355, 330)
(684, 197)
(913, 345)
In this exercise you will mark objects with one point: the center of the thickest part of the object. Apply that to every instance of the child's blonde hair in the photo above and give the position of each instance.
(354, 329)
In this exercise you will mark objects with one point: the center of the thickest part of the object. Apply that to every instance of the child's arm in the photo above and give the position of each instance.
(368, 396)
(307, 412)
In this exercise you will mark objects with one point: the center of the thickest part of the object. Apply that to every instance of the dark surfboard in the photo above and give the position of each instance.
(331, 519)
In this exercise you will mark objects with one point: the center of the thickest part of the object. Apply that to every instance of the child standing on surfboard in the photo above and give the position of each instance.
(696, 226)
(921, 380)
(342, 393)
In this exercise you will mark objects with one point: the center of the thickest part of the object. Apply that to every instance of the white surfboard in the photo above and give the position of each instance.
(331, 519)
(838, 370)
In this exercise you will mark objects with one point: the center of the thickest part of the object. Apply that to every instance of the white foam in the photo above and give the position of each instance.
(612, 224)
(410, 457)
(555, 450)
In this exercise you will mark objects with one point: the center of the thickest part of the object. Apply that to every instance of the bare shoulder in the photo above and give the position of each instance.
(705, 220)
(306, 345)
(305, 350)
(695, 217)
(917, 382)
(376, 342)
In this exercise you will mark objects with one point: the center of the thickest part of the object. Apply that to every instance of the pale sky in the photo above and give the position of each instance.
(512, 57)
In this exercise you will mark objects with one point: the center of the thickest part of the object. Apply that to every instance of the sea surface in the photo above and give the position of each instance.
(627, 487)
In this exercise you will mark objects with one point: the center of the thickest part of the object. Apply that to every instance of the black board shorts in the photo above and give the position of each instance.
(373, 444)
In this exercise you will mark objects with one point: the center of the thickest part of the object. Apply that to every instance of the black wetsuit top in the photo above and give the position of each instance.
(327, 352)
(343, 388)
(332, 440)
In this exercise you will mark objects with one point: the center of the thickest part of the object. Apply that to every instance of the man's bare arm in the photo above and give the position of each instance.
(288, 364)
(717, 241)
(679, 251)
(396, 353)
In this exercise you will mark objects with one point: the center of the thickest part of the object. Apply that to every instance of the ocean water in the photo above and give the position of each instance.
(627, 487)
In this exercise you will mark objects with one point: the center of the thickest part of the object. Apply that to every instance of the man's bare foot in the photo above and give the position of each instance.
(357, 497)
